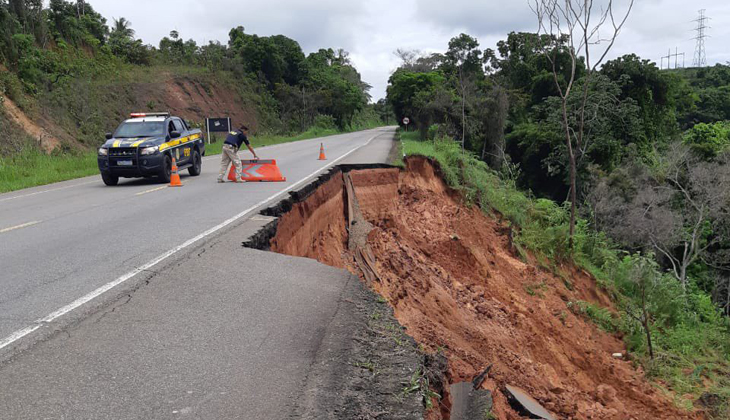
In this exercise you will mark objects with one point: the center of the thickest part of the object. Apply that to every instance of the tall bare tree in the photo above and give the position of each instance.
(574, 25)
(682, 211)
(464, 55)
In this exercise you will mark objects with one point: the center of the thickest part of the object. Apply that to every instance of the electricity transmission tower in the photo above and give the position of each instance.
(700, 59)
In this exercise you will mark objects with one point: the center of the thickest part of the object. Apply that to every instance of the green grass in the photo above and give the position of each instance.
(691, 338)
(536, 289)
(602, 317)
(31, 168)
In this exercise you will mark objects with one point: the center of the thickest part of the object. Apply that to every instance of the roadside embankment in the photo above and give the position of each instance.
(457, 286)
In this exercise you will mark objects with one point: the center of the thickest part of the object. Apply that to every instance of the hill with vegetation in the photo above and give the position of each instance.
(67, 76)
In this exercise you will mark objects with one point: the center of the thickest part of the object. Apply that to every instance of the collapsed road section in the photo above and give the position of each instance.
(449, 273)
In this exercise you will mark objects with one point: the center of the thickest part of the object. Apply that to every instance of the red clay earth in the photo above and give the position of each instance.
(448, 273)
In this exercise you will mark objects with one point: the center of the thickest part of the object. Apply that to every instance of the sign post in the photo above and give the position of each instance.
(406, 121)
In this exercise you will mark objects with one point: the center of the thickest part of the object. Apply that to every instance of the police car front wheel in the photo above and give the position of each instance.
(197, 164)
(166, 170)
(109, 179)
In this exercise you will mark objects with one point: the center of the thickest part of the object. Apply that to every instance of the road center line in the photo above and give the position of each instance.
(17, 335)
(19, 226)
(152, 190)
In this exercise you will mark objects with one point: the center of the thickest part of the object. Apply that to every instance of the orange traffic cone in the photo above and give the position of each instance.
(175, 177)
(321, 152)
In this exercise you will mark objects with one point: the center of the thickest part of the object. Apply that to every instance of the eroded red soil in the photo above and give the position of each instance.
(454, 284)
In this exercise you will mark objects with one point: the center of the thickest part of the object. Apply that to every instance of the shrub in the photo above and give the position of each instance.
(709, 140)
(325, 122)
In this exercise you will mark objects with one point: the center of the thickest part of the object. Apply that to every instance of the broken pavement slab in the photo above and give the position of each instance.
(525, 405)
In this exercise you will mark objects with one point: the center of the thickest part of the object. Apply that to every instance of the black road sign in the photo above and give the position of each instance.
(219, 125)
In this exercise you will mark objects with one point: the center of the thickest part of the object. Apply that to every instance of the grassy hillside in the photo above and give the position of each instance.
(80, 110)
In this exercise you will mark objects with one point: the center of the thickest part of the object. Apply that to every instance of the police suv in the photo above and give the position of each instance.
(144, 146)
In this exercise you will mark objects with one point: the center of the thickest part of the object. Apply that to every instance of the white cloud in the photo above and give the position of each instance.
(478, 17)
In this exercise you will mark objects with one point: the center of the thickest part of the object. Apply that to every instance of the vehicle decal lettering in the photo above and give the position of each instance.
(178, 142)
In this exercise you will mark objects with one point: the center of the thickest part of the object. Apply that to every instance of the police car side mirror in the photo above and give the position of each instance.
(174, 134)
(109, 136)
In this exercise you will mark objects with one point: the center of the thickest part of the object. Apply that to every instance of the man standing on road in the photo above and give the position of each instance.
(230, 152)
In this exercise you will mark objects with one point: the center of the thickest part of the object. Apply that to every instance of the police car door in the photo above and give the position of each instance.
(182, 152)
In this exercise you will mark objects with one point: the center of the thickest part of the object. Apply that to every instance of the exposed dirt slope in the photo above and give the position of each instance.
(193, 99)
(448, 273)
(46, 140)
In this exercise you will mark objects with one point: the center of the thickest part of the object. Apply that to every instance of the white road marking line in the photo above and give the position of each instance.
(96, 293)
(17, 335)
(46, 191)
(19, 226)
(152, 190)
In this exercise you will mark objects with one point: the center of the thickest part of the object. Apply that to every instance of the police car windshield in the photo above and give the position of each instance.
(140, 129)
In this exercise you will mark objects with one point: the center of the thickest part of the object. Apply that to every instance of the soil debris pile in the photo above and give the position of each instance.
(448, 272)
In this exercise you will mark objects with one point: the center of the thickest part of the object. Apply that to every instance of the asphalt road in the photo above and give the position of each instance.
(62, 245)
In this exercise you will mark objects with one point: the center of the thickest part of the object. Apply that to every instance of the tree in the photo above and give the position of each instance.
(123, 28)
(384, 110)
(680, 210)
(420, 96)
(464, 55)
(65, 23)
(653, 92)
(494, 117)
(572, 19)
(709, 140)
(642, 282)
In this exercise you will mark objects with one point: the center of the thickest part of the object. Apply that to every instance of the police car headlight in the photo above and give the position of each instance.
(103, 151)
(150, 150)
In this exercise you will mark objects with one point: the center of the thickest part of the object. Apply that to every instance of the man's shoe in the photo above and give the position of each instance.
(220, 181)
(239, 181)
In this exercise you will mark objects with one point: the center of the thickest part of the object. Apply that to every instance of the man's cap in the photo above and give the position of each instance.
(243, 128)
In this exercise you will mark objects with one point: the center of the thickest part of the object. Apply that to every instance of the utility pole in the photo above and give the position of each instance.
(669, 57)
(700, 58)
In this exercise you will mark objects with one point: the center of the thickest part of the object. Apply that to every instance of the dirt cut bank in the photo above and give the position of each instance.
(448, 272)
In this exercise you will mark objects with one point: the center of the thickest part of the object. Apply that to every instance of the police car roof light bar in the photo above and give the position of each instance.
(149, 114)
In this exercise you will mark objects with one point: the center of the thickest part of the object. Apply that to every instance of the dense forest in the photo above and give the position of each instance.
(652, 178)
(64, 62)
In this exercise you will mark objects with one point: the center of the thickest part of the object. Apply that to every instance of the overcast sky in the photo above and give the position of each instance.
(371, 30)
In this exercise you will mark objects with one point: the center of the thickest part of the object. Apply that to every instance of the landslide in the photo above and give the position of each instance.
(449, 273)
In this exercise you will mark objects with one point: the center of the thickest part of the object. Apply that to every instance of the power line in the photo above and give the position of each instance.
(700, 58)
